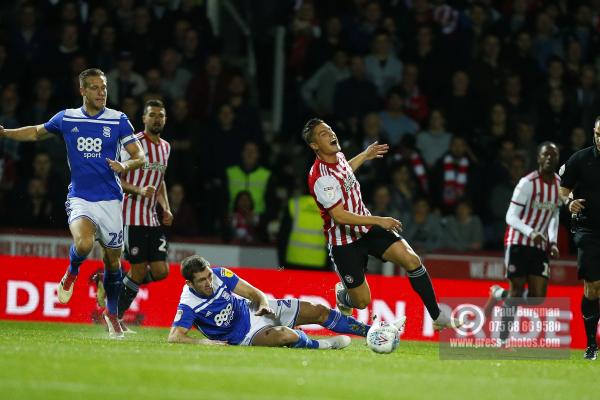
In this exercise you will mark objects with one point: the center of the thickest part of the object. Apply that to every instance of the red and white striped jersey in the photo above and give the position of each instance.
(331, 184)
(138, 210)
(534, 207)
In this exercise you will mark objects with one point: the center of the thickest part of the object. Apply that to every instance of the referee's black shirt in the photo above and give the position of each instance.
(581, 173)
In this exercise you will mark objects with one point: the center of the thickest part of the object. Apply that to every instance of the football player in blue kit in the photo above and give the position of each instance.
(250, 318)
(94, 136)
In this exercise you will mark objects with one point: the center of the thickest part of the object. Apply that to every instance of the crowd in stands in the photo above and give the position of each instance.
(463, 91)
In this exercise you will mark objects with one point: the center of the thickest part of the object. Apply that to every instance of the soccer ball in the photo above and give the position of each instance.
(383, 337)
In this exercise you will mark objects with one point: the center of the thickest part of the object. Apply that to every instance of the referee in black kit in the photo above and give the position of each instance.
(580, 191)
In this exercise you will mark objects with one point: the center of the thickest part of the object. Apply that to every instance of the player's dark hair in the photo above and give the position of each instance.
(545, 143)
(308, 130)
(87, 73)
(153, 103)
(193, 264)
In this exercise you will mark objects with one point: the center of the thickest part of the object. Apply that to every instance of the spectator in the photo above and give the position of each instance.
(452, 174)
(36, 210)
(588, 97)
(247, 115)
(395, 122)
(383, 68)
(429, 62)
(525, 143)
(133, 109)
(422, 229)
(154, 85)
(304, 30)
(123, 81)
(243, 220)
(546, 40)
(373, 172)
(323, 49)
(499, 199)
(222, 133)
(519, 59)
(407, 153)
(365, 29)
(67, 48)
(174, 78)
(460, 108)
(381, 202)
(486, 71)
(577, 141)
(354, 97)
(318, 90)
(207, 89)
(250, 176)
(463, 230)
(416, 104)
(555, 118)
(105, 51)
(184, 216)
(513, 99)
(184, 134)
(403, 190)
(435, 141)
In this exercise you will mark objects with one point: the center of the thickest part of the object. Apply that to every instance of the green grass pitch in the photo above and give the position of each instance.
(68, 361)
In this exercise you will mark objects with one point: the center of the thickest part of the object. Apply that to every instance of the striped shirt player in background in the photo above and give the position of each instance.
(94, 136)
(531, 234)
(227, 309)
(145, 241)
(352, 232)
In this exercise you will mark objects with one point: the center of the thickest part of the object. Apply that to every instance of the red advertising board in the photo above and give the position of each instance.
(28, 292)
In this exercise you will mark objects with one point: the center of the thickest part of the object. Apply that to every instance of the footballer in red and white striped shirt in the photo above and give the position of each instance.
(531, 235)
(352, 232)
(146, 245)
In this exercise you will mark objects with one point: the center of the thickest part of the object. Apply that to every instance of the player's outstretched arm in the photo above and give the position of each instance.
(343, 217)
(256, 296)
(179, 335)
(137, 159)
(26, 133)
(374, 150)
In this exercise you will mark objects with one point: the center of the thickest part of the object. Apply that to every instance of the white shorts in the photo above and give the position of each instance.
(106, 215)
(286, 312)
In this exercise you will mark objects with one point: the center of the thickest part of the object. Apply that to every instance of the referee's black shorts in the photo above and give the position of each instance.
(588, 254)
(145, 244)
(350, 260)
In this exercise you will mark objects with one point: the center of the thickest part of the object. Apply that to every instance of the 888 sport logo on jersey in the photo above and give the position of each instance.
(91, 147)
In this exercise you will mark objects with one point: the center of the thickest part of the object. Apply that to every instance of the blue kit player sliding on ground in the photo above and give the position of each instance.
(94, 136)
(250, 319)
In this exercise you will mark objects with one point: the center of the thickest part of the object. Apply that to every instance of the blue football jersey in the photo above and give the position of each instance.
(90, 141)
(221, 316)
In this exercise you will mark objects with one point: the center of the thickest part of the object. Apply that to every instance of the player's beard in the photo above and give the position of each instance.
(156, 131)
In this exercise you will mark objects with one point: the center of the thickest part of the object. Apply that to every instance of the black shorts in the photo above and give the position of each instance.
(145, 244)
(526, 260)
(588, 254)
(350, 260)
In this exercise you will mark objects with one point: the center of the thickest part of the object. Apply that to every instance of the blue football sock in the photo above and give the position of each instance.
(112, 285)
(75, 260)
(304, 342)
(341, 323)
